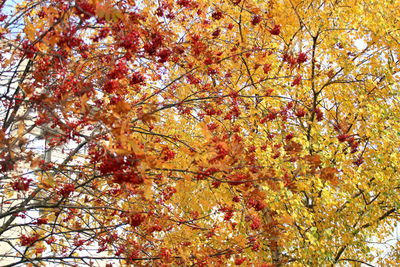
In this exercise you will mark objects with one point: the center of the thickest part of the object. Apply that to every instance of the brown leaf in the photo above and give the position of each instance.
(329, 174)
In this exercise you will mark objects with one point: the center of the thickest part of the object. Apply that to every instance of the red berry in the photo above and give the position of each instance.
(239, 261)
(302, 57)
(267, 68)
(342, 137)
(217, 15)
(256, 19)
(300, 113)
(276, 30)
(297, 80)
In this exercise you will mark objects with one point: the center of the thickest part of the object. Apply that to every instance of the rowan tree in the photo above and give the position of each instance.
(195, 132)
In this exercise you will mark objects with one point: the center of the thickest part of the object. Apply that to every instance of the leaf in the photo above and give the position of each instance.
(30, 31)
(313, 160)
(47, 181)
(330, 174)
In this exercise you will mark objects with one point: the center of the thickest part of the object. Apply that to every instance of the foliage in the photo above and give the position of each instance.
(198, 132)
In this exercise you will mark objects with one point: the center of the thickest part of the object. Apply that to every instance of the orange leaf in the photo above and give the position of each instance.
(329, 174)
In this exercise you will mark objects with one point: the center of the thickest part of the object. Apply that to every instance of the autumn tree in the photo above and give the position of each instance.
(196, 132)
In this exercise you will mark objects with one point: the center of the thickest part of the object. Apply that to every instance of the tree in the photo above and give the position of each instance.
(197, 132)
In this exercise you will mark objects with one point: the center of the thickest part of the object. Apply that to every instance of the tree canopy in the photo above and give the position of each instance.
(199, 132)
